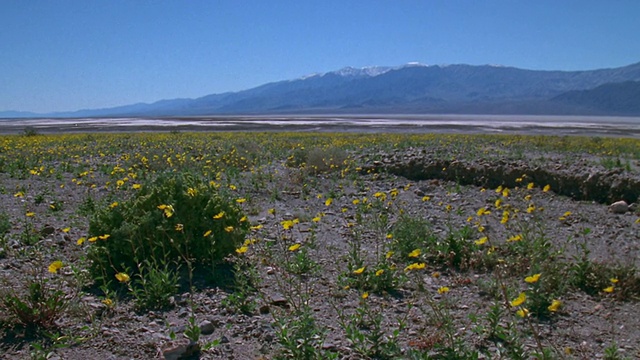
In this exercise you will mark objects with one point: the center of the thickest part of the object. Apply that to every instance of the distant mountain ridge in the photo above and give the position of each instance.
(413, 88)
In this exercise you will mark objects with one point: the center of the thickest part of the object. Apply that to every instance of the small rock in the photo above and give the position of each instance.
(619, 207)
(206, 327)
(47, 230)
(180, 349)
(278, 300)
(328, 346)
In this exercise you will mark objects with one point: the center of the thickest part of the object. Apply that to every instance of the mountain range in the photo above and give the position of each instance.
(411, 88)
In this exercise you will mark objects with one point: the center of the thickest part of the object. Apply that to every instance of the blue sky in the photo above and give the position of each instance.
(68, 55)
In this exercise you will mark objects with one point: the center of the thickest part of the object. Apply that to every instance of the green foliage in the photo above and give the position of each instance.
(30, 131)
(5, 223)
(301, 337)
(155, 286)
(38, 307)
(410, 233)
(166, 220)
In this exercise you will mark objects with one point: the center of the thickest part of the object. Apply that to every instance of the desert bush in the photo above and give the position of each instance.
(176, 218)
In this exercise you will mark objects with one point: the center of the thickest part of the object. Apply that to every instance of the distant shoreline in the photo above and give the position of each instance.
(608, 126)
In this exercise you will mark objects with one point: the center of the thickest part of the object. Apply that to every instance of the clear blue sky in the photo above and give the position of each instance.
(68, 55)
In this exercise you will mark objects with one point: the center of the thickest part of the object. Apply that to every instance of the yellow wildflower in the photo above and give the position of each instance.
(228, 229)
(316, 219)
(379, 272)
(546, 188)
(359, 271)
(19, 194)
(179, 227)
(104, 237)
(355, 201)
(614, 280)
(519, 300)
(136, 186)
(555, 305)
(294, 247)
(365, 295)
(108, 302)
(381, 195)
(483, 211)
(505, 192)
(498, 203)
(328, 201)
(81, 241)
(93, 239)
(530, 186)
(218, 215)
(241, 200)
(415, 253)
(122, 277)
(523, 312)
(426, 198)
(515, 238)
(481, 241)
(113, 204)
(30, 214)
(242, 250)
(207, 233)
(443, 290)
(55, 266)
(505, 217)
(388, 255)
(533, 278)
(287, 224)
(66, 230)
(243, 219)
(415, 266)
(608, 289)
(167, 209)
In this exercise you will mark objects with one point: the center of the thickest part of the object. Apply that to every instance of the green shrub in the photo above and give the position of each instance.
(410, 233)
(155, 286)
(170, 220)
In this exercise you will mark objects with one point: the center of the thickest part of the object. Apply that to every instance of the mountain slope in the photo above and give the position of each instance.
(414, 88)
(610, 98)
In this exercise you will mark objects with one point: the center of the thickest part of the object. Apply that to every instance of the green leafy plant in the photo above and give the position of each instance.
(37, 302)
(155, 286)
(177, 218)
